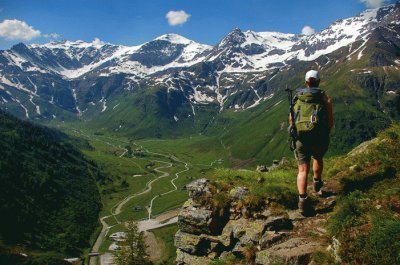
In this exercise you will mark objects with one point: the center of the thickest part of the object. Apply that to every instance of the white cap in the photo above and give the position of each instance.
(312, 74)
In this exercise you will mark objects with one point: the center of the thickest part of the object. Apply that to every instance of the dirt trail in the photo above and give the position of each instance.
(308, 234)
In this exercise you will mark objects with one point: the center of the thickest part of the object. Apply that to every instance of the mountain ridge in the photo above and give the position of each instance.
(299, 46)
(172, 86)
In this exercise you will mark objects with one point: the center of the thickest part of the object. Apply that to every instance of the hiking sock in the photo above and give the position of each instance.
(302, 203)
(318, 183)
(303, 197)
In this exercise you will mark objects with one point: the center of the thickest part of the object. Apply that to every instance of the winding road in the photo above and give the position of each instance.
(161, 220)
(144, 225)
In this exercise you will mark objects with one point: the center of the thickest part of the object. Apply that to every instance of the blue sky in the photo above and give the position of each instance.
(135, 22)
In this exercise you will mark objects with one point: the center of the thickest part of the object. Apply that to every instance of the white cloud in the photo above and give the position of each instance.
(177, 17)
(307, 30)
(98, 42)
(13, 29)
(373, 3)
(52, 36)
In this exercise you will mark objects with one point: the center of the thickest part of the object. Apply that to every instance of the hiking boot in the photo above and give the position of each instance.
(318, 186)
(303, 204)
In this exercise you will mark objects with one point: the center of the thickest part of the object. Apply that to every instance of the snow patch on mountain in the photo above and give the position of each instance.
(234, 65)
(76, 103)
(279, 40)
(340, 34)
(103, 101)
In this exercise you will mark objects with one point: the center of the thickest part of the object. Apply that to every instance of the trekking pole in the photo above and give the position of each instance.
(292, 127)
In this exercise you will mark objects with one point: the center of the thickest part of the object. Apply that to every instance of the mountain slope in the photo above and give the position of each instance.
(48, 198)
(172, 86)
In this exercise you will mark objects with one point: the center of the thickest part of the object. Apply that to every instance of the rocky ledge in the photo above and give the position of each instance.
(210, 231)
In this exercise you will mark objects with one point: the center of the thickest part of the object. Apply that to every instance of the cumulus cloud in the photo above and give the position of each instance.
(307, 30)
(373, 3)
(13, 29)
(177, 17)
(98, 42)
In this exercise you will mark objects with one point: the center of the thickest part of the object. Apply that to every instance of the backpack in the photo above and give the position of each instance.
(310, 111)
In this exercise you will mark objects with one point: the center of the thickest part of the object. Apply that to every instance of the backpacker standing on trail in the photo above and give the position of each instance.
(313, 120)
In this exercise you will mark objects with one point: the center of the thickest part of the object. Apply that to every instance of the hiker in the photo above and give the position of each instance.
(312, 110)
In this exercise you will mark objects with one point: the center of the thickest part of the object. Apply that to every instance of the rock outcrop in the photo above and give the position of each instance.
(208, 233)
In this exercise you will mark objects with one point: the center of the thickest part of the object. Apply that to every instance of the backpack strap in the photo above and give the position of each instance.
(297, 114)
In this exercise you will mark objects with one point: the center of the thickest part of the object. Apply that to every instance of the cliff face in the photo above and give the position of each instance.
(256, 235)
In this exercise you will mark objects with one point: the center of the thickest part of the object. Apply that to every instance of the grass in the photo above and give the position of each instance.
(274, 187)
(118, 181)
(197, 150)
(165, 235)
(367, 218)
(169, 202)
(252, 137)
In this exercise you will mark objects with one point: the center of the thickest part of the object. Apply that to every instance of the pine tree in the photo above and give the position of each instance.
(134, 252)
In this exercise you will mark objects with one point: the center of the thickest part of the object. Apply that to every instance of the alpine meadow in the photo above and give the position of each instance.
(177, 152)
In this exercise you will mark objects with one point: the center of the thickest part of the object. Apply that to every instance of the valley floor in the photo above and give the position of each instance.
(146, 182)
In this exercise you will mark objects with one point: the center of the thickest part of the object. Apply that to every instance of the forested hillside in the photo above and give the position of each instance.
(48, 194)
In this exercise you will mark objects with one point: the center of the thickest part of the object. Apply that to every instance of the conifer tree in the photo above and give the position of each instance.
(134, 252)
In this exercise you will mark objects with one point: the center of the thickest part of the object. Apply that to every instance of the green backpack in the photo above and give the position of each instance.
(310, 111)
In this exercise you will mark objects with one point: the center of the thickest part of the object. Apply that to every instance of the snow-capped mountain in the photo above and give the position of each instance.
(259, 51)
(84, 79)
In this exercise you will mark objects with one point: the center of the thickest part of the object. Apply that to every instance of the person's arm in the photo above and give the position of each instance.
(329, 107)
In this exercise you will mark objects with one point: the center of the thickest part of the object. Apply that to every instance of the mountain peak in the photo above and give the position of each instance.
(66, 44)
(235, 38)
(174, 38)
(236, 30)
(19, 46)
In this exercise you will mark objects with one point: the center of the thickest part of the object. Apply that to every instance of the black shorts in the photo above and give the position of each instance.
(308, 146)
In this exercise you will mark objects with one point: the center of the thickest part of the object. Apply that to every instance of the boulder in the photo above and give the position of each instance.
(238, 248)
(253, 232)
(187, 242)
(296, 251)
(199, 189)
(262, 168)
(247, 231)
(195, 220)
(283, 161)
(334, 248)
(279, 222)
(227, 234)
(295, 216)
(238, 193)
(183, 258)
(271, 237)
(363, 147)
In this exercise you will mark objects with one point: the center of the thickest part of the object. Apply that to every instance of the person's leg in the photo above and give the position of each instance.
(302, 186)
(318, 166)
(302, 178)
(303, 157)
